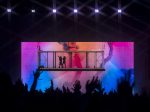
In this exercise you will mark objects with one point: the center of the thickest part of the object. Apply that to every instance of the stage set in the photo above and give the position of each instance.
(66, 62)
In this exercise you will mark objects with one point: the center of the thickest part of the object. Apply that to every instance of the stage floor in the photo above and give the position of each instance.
(71, 69)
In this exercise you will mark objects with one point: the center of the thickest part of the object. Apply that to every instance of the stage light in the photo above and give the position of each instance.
(33, 10)
(54, 10)
(75, 11)
(119, 11)
(96, 11)
(9, 10)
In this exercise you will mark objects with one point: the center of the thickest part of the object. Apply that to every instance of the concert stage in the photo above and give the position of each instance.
(66, 62)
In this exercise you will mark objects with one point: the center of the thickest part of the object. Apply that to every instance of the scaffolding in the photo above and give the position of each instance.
(92, 61)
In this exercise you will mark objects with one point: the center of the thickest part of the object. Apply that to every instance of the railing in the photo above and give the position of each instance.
(71, 60)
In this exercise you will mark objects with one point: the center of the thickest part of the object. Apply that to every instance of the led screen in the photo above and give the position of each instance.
(66, 62)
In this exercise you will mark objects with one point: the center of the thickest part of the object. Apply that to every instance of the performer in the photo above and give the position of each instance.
(60, 62)
(64, 61)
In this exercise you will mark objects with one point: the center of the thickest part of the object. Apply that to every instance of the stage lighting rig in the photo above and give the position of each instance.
(119, 11)
(96, 10)
(75, 11)
(54, 10)
(9, 10)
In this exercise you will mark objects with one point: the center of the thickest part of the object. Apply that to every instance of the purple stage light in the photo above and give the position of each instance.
(119, 11)
(9, 10)
(75, 11)
(33, 10)
(96, 10)
(54, 10)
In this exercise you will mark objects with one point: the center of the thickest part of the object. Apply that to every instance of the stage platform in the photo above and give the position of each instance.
(71, 69)
(51, 60)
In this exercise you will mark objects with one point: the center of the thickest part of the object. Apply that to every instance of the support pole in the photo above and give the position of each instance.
(53, 59)
(39, 57)
(70, 59)
(47, 59)
(102, 59)
(87, 59)
(95, 59)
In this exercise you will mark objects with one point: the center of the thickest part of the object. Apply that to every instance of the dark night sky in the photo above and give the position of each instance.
(22, 25)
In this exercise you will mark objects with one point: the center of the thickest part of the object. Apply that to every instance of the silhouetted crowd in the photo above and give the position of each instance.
(17, 98)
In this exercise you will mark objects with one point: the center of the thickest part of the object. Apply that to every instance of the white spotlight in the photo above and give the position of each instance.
(54, 10)
(33, 10)
(75, 11)
(9, 10)
(119, 11)
(96, 11)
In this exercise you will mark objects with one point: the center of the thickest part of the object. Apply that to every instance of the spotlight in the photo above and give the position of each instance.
(96, 11)
(9, 10)
(33, 10)
(54, 10)
(119, 11)
(75, 11)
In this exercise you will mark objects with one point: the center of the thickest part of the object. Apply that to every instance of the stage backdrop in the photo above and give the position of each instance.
(117, 59)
